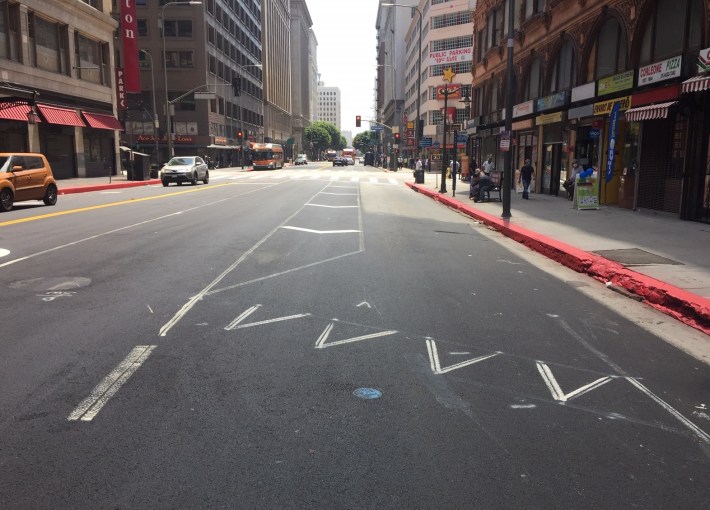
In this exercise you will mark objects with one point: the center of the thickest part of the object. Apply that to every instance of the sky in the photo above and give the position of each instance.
(346, 35)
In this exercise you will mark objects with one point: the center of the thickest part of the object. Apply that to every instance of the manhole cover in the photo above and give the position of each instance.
(635, 257)
(367, 393)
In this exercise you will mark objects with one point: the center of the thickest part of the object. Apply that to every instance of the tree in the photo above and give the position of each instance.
(317, 136)
(337, 141)
(363, 141)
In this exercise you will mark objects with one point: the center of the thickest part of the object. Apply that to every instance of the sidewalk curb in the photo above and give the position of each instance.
(101, 187)
(682, 305)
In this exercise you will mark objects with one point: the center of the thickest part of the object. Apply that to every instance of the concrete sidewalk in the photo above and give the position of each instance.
(657, 258)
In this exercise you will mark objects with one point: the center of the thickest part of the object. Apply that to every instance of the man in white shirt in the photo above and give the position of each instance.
(488, 165)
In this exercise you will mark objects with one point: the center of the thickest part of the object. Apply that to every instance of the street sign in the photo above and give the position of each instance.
(425, 142)
(462, 138)
(376, 127)
(205, 95)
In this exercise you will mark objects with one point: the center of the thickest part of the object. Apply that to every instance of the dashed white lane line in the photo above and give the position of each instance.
(102, 393)
(322, 231)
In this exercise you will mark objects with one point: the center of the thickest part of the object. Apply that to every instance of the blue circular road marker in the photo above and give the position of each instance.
(367, 393)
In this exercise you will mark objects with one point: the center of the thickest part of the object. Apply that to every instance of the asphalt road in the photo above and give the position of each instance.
(326, 338)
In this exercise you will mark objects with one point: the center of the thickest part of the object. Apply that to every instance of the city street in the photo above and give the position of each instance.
(324, 337)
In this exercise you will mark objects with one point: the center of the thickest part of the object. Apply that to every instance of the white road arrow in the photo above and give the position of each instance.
(237, 323)
(320, 343)
(557, 392)
(436, 365)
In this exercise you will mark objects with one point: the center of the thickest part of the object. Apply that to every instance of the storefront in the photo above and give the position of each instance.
(553, 132)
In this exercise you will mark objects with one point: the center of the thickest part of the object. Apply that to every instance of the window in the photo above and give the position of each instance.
(450, 20)
(452, 44)
(179, 59)
(177, 28)
(564, 72)
(533, 89)
(89, 58)
(142, 25)
(46, 43)
(674, 27)
(611, 49)
(533, 7)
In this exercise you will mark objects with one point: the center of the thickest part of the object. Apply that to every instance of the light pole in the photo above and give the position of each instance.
(156, 123)
(165, 70)
(509, 99)
(241, 118)
(419, 73)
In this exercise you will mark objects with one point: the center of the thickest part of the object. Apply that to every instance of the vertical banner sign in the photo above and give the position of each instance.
(611, 142)
(129, 27)
(121, 88)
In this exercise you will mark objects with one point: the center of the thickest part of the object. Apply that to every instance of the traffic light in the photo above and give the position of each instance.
(357, 121)
(396, 138)
(240, 134)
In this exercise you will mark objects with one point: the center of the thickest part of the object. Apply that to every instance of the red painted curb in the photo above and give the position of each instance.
(100, 187)
(684, 306)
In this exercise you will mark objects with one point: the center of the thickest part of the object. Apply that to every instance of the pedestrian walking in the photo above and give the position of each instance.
(526, 175)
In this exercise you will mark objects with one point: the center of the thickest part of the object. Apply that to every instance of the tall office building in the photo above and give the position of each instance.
(329, 104)
(301, 71)
(276, 43)
(215, 48)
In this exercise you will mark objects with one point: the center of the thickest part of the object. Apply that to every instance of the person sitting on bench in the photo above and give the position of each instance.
(480, 185)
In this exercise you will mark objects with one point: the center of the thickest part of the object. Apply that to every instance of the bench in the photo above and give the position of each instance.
(496, 178)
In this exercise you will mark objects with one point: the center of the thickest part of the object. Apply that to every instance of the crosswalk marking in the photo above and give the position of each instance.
(315, 176)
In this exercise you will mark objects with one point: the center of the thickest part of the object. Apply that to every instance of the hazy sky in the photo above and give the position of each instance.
(345, 30)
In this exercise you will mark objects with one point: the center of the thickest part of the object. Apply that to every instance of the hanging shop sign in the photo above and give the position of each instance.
(129, 29)
(121, 89)
(611, 142)
(452, 91)
(660, 71)
(704, 61)
(616, 83)
(605, 107)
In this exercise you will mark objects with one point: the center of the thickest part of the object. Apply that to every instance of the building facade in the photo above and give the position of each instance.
(302, 73)
(329, 104)
(206, 72)
(618, 85)
(276, 41)
(58, 92)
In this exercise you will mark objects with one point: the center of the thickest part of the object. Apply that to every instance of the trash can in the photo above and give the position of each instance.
(154, 171)
(419, 176)
(139, 169)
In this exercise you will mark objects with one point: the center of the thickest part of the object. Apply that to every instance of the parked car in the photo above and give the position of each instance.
(339, 161)
(185, 169)
(25, 176)
(301, 160)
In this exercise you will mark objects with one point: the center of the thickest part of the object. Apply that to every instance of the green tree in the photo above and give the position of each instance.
(319, 136)
(337, 141)
(363, 141)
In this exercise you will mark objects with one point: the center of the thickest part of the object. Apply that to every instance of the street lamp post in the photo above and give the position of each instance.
(509, 99)
(419, 72)
(241, 118)
(156, 123)
(165, 71)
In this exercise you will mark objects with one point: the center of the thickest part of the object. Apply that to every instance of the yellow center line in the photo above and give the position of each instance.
(103, 206)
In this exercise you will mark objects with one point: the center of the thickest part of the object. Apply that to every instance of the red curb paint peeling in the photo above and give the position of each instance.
(101, 187)
(682, 305)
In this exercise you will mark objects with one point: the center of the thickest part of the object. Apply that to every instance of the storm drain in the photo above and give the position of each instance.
(635, 257)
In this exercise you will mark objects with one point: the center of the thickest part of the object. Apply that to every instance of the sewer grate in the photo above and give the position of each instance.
(635, 257)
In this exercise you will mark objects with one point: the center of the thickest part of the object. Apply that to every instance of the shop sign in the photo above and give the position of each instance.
(581, 111)
(527, 108)
(549, 118)
(660, 71)
(605, 107)
(522, 124)
(611, 142)
(505, 141)
(121, 88)
(163, 139)
(616, 83)
(425, 142)
(583, 92)
(656, 95)
(129, 29)
(704, 61)
(557, 100)
(452, 91)
(452, 56)
(220, 140)
(586, 192)
(594, 133)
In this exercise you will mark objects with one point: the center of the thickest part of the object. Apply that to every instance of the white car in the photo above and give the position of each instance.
(301, 160)
(185, 169)
(349, 160)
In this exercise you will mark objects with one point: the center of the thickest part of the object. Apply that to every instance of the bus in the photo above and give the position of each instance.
(330, 155)
(349, 153)
(268, 156)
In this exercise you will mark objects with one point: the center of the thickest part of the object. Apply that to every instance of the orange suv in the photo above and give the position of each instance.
(25, 176)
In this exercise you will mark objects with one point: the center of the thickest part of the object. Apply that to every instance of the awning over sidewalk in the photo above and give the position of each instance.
(101, 121)
(15, 112)
(62, 116)
(696, 84)
(650, 112)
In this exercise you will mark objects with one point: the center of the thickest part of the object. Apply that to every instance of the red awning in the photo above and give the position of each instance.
(63, 116)
(697, 83)
(654, 111)
(12, 111)
(101, 121)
